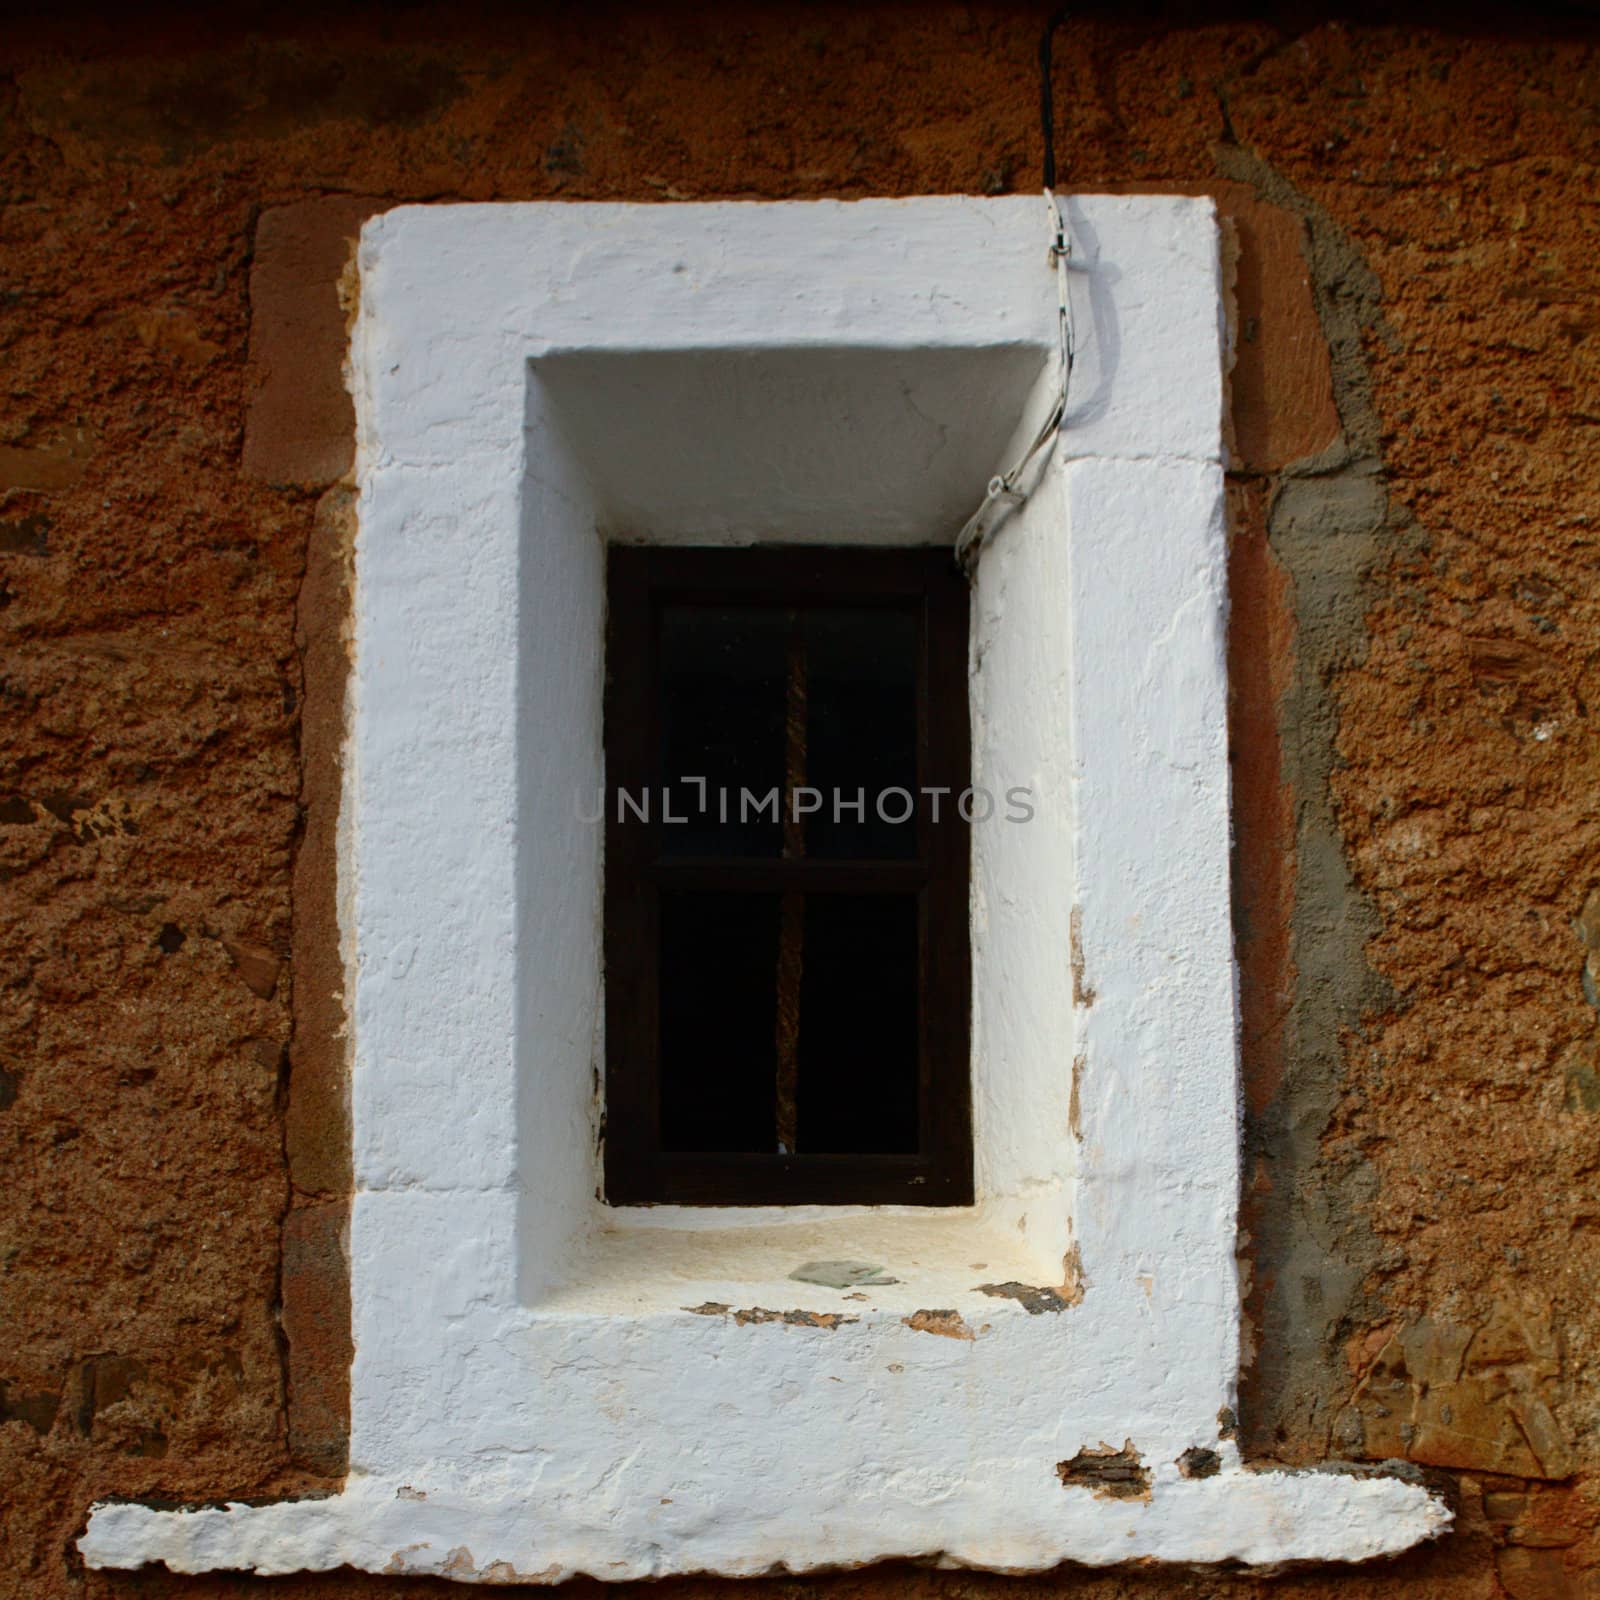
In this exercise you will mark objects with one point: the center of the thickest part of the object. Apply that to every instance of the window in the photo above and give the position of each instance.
(786, 877)
(547, 1384)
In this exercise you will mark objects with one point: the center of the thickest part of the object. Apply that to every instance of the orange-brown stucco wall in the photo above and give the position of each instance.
(1415, 509)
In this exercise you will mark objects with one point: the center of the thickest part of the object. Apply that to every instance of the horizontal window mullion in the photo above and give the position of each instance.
(806, 875)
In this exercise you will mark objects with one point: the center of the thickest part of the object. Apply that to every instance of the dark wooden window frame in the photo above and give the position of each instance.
(641, 579)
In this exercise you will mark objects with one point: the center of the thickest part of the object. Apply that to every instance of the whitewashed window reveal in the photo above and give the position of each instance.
(546, 1386)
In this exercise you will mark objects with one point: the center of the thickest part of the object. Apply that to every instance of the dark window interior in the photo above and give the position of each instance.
(786, 977)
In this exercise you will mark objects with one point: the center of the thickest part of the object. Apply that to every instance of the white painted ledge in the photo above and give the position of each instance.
(1251, 1517)
(544, 1385)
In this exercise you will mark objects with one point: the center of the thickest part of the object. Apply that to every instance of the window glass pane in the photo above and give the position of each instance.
(861, 731)
(718, 984)
(771, 1001)
(858, 1075)
(722, 686)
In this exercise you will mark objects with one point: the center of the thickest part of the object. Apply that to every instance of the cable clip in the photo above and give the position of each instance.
(1060, 243)
(1001, 500)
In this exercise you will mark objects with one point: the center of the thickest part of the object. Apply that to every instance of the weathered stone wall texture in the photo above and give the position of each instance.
(1416, 580)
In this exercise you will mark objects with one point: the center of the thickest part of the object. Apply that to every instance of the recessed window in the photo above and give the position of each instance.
(787, 877)
(536, 384)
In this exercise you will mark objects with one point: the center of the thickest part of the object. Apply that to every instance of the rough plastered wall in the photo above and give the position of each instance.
(1416, 580)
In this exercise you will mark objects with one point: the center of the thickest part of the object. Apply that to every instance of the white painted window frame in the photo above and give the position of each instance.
(545, 1386)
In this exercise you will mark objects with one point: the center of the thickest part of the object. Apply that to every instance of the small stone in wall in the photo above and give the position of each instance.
(37, 1410)
(258, 967)
(1533, 1574)
(172, 332)
(47, 461)
(1476, 1399)
(24, 536)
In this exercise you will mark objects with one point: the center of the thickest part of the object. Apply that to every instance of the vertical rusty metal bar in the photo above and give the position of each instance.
(791, 933)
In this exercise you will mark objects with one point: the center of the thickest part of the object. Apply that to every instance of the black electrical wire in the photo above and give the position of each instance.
(1047, 105)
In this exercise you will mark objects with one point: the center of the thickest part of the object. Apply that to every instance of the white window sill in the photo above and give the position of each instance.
(1256, 1518)
(659, 1259)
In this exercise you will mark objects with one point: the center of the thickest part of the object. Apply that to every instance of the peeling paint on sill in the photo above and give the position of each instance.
(1199, 1462)
(948, 1324)
(759, 1314)
(1113, 1474)
(459, 1565)
(1033, 1298)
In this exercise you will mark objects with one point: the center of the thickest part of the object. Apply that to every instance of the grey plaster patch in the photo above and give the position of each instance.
(842, 1274)
(1333, 527)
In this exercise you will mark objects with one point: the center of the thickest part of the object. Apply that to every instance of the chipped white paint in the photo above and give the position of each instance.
(533, 1395)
